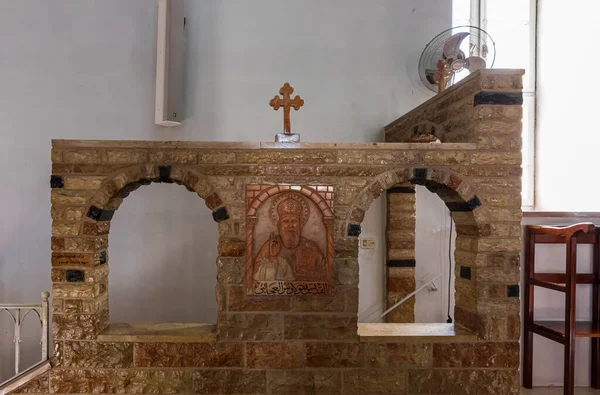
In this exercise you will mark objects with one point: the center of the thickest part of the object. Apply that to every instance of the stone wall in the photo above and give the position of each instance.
(299, 344)
(400, 244)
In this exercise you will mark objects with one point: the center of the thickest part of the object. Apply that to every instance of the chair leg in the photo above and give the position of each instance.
(528, 313)
(570, 305)
(596, 314)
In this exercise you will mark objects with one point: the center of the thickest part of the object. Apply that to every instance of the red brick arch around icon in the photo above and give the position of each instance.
(325, 205)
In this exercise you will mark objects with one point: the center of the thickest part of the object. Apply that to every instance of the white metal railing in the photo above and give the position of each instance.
(18, 312)
(410, 295)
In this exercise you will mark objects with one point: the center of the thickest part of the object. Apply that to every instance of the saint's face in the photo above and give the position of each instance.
(290, 230)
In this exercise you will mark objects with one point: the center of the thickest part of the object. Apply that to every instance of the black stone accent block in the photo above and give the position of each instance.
(164, 174)
(465, 272)
(402, 263)
(512, 291)
(97, 214)
(102, 257)
(354, 230)
(402, 190)
(127, 189)
(94, 213)
(458, 207)
(56, 182)
(106, 215)
(474, 202)
(498, 98)
(419, 176)
(220, 214)
(75, 276)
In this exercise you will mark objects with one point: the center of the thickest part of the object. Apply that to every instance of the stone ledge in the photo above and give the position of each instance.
(225, 145)
(159, 333)
(414, 333)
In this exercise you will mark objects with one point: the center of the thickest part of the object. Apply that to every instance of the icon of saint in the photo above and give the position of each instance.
(273, 267)
(302, 255)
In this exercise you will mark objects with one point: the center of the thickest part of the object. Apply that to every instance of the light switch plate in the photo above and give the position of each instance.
(368, 243)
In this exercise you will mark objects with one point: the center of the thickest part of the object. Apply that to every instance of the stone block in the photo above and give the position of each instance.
(254, 327)
(70, 197)
(499, 245)
(85, 306)
(398, 355)
(99, 228)
(74, 213)
(38, 385)
(446, 158)
(84, 156)
(321, 303)
(216, 157)
(398, 254)
(229, 381)
(351, 157)
(335, 355)
(173, 156)
(126, 156)
(297, 382)
(401, 285)
(78, 327)
(498, 275)
(450, 381)
(375, 381)
(94, 355)
(405, 313)
(197, 355)
(75, 290)
(346, 271)
(230, 270)
(320, 327)
(67, 381)
(377, 157)
(275, 355)
(237, 300)
(477, 355)
(229, 247)
(507, 142)
(83, 182)
(62, 229)
(496, 158)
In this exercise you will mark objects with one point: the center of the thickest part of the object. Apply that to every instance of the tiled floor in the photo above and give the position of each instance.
(559, 391)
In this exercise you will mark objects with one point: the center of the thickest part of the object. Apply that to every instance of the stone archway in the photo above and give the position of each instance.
(467, 212)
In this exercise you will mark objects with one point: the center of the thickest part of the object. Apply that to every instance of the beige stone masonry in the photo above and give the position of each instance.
(299, 344)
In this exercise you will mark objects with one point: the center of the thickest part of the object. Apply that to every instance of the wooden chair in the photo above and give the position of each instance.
(563, 332)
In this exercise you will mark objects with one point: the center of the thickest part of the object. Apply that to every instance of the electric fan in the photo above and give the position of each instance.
(453, 54)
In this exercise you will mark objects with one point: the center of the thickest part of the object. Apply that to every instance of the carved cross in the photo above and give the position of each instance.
(276, 102)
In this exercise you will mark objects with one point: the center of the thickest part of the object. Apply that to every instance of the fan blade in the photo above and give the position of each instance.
(452, 45)
(475, 63)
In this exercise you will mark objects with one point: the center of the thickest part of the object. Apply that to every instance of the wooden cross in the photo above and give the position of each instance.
(276, 102)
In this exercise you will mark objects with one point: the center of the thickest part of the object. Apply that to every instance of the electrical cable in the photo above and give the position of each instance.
(449, 320)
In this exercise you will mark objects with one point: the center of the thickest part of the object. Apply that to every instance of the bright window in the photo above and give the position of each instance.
(512, 26)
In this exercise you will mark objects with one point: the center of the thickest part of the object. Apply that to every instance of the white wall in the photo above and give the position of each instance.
(371, 265)
(85, 70)
(431, 250)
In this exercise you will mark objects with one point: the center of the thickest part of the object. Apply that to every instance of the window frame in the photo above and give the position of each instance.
(478, 18)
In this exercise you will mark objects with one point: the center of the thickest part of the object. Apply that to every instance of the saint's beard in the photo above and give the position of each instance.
(290, 238)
